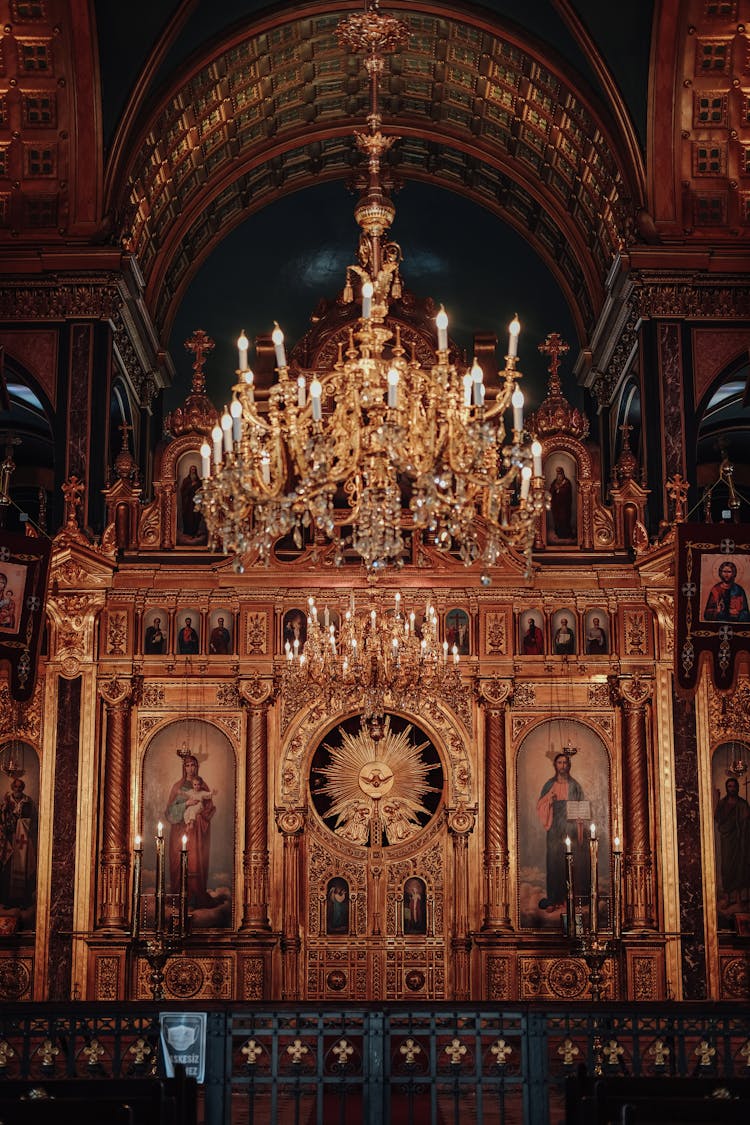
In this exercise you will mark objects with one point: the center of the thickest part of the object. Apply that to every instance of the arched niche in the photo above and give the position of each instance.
(542, 824)
(200, 804)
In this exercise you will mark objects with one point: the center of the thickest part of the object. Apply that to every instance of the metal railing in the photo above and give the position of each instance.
(379, 1063)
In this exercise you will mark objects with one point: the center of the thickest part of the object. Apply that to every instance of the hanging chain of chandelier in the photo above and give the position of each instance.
(377, 425)
(374, 660)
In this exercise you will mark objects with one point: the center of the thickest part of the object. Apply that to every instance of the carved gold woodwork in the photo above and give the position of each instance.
(190, 977)
(633, 694)
(495, 695)
(118, 694)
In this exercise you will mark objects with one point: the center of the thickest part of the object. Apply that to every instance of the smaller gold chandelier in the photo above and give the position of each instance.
(373, 661)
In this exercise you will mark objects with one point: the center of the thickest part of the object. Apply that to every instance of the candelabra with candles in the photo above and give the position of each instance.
(378, 423)
(589, 942)
(373, 659)
(168, 936)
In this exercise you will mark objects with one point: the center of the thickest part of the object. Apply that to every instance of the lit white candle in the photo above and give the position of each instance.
(517, 402)
(301, 391)
(445, 652)
(235, 410)
(393, 388)
(536, 453)
(617, 891)
(367, 292)
(477, 377)
(205, 460)
(265, 468)
(242, 346)
(278, 345)
(570, 908)
(441, 320)
(594, 892)
(525, 482)
(249, 379)
(593, 831)
(468, 384)
(316, 390)
(184, 843)
(514, 329)
(455, 654)
(216, 437)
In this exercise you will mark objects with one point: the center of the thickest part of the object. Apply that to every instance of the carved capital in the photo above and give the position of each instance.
(257, 691)
(291, 822)
(461, 820)
(120, 691)
(493, 693)
(631, 692)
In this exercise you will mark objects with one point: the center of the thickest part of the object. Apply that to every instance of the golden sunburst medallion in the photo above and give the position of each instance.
(366, 789)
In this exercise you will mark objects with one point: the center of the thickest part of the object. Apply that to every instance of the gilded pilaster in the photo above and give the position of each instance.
(291, 824)
(495, 695)
(119, 695)
(633, 694)
(256, 696)
(460, 825)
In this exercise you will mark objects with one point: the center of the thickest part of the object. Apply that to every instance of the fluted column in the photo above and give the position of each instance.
(255, 854)
(118, 694)
(291, 823)
(460, 825)
(495, 695)
(633, 694)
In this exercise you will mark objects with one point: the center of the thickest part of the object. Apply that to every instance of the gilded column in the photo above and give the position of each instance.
(119, 695)
(495, 695)
(256, 695)
(460, 825)
(291, 823)
(633, 694)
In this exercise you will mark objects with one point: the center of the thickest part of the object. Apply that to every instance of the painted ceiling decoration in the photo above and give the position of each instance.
(270, 110)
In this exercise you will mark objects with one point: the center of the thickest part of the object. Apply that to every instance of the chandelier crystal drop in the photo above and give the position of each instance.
(374, 660)
(401, 443)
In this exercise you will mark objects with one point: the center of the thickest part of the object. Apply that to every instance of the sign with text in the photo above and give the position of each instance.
(183, 1039)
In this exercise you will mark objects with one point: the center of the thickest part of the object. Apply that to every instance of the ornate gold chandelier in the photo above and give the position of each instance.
(372, 660)
(378, 426)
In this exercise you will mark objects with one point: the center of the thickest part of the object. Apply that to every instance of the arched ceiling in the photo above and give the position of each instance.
(269, 108)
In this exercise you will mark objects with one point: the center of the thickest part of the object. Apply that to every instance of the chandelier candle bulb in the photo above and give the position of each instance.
(594, 890)
(393, 388)
(367, 292)
(477, 375)
(514, 329)
(468, 384)
(249, 379)
(536, 453)
(301, 391)
(216, 438)
(265, 468)
(617, 890)
(135, 908)
(316, 390)
(445, 652)
(441, 320)
(242, 346)
(235, 409)
(525, 482)
(570, 906)
(278, 345)
(517, 403)
(205, 460)
(226, 427)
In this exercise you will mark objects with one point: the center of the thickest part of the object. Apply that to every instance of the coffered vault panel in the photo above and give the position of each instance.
(272, 108)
